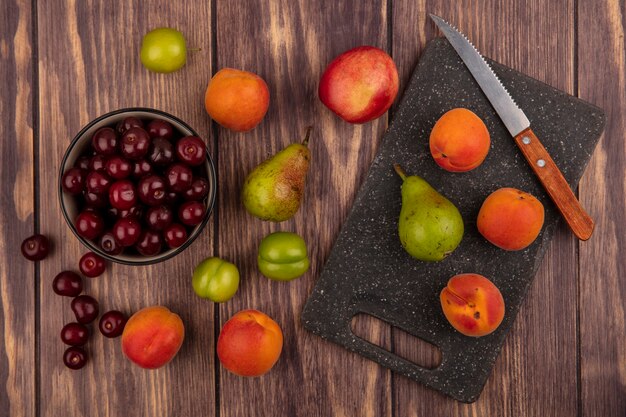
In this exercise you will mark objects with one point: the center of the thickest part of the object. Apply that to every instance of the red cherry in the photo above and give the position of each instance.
(175, 235)
(122, 195)
(91, 265)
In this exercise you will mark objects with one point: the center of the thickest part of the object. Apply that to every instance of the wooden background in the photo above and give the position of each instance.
(64, 62)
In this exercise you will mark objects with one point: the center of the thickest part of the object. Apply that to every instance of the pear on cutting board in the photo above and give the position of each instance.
(273, 190)
(430, 226)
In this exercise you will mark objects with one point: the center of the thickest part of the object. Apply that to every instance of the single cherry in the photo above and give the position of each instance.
(112, 323)
(175, 235)
(118, 168)
(35, 247)
(85, 308)
(152, 190)
(104, 141)
(89, 224)
(109, 245)
(172, 198)
(83, 163)
(98, 163)
(191, 150)
(191, 213)
(161, 153)
(135, 143)
(68, 284)
(149, 243)
(73, 180)
(158, 218)
(127, 124)
(75, 357)
(142, 168)
(98, 182)
(74, 334)
(198, 190)
(179, 177)
(95, 200)
(135, 212)
(91, 265)
(159, 128)
(122, 195)
(126, 231)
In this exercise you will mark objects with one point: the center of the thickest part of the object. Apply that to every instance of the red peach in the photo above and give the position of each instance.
(250, 343)
(510, 219)
(152, 337)
(237, 100)
(459, 141)
(360, 84)
(472, 304)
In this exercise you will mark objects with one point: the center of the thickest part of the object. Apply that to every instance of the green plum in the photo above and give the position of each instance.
(163, 50)
(283, 256)
(215, 279)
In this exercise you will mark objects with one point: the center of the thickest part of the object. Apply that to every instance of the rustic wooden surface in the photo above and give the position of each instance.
(65, 62)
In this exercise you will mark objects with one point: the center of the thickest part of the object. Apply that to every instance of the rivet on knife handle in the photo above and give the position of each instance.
(555, 184)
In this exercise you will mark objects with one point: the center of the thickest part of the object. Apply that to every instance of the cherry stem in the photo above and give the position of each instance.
(399, 171)
(305, 142)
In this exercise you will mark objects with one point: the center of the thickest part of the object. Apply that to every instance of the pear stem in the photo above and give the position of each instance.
(399, 171)
(194, 49)
(305, 142)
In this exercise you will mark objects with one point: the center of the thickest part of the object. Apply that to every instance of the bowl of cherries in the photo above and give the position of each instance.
(137, 186)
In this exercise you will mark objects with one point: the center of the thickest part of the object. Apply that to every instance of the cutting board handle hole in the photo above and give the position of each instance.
(396, 341)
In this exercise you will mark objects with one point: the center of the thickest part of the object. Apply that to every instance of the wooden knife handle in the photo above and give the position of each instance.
(555, 184)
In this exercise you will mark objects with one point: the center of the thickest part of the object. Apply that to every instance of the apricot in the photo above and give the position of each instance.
(510, 219)
(459, 141)
(237, 100)
(250, 343)
(152, 337)
(472, 304)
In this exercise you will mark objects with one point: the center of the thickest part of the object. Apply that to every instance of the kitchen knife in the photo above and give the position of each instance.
(519, 126)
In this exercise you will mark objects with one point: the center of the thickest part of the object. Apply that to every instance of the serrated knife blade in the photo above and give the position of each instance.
(512, 116)
(518, 125)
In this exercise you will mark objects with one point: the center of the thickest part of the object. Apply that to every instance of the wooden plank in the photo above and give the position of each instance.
(17, 275)
(602, 288)
(536, 371)
(89, 64)
(289, 44)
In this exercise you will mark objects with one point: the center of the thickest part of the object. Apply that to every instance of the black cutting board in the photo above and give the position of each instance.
(369, 272)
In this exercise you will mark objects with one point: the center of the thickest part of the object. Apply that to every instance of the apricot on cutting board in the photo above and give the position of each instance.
(510, 218)
(472, 304)
(459, 141)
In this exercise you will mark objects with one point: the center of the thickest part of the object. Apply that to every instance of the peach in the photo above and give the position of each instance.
(152, 337)
(237, 100)
(360, 84)
(472, 304)
(510, 219)
(459, 141)
(250, 343)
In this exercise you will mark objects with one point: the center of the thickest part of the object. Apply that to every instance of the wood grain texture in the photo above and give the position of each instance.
(289, 44)
(535, 374)
(562, 357)
(89, 64)
(17, 275)
(602, 284)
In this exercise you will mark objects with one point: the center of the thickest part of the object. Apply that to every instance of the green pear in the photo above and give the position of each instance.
(273, 190)
(430, 226)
